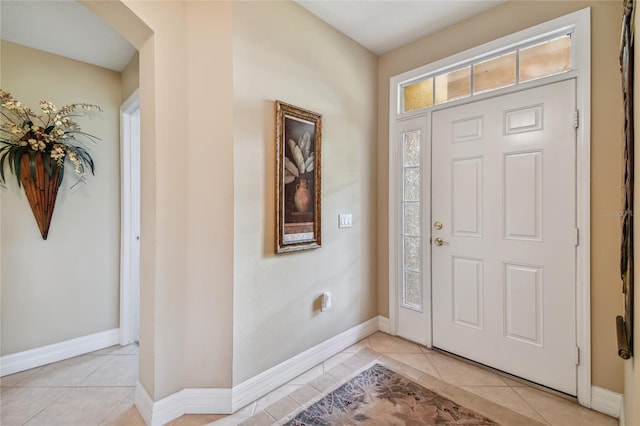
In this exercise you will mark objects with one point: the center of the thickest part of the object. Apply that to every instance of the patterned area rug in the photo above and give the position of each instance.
(379, 396)
(370, 389)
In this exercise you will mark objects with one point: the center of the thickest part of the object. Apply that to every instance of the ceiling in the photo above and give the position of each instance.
(382, 26)
(66, 28)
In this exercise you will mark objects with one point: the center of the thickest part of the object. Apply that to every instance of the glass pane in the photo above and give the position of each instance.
(453, 85)
(418, 95)
(412, 219)
(412, 184)
(412, 289)
(545, 59)
(494, 73)
(412, 148)
(412, 253)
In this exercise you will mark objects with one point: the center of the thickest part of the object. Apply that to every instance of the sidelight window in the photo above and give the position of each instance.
(411, 234)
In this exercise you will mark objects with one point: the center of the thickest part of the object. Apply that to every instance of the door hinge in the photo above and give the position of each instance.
(576, 119)
(577, 355)
(577, 237)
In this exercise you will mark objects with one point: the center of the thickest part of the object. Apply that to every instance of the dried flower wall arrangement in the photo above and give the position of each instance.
(34, 147)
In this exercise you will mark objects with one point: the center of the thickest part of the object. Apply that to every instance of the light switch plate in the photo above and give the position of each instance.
(345, 220)
(326, 301)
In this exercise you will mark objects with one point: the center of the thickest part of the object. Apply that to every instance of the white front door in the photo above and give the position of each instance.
(504, 258)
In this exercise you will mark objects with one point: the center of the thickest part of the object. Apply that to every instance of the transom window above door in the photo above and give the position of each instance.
(510, 67)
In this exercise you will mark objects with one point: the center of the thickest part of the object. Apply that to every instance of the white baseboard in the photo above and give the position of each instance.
(384, 324)
(227, 401)
(606, 401)
(144, 403)
(186, 401)
(205, 401)
(260, 385)
(21, 361)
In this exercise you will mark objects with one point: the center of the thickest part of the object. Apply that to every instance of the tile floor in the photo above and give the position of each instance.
(98, 389)
(93, 389)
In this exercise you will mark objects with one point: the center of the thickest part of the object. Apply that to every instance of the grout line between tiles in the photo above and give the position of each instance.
(114, 407)
(532, 407)
(49, 405)
(432, 364)
(486, 386)
(105, 365)
(435, 368)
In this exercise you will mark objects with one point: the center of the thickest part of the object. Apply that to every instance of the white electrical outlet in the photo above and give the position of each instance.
(345, 220)
(326, 301)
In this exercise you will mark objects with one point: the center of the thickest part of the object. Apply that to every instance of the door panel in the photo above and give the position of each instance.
(523, 303)
(467, 197)
(523, 196)
(467, 286)
(503, 273)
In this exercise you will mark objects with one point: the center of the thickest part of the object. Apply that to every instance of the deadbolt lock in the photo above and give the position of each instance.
(437, 224)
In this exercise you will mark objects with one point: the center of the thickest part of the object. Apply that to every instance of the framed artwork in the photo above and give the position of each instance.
(298, 195)
(624, 324)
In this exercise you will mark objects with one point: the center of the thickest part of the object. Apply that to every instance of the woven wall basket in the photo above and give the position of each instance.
(41, 190)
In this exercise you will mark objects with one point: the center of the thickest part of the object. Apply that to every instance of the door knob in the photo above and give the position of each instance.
(438, 241)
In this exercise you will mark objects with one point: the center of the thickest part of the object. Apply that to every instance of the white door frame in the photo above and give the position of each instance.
(130, 222)
(579, 24)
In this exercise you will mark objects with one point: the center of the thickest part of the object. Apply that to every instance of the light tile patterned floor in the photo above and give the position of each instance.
(98, 389)
(94, 389)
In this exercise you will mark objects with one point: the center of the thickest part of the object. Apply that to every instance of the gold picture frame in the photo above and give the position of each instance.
(624, 323)
(298, 178)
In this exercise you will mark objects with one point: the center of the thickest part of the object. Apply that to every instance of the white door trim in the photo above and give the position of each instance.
(579, 23)
(129, 293)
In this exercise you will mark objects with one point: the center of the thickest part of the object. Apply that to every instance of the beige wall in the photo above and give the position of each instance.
(606, 128)
(68, 285)
(207, 186)
(187, 219)
(283, 52)
(632, 366)
(130, 77)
